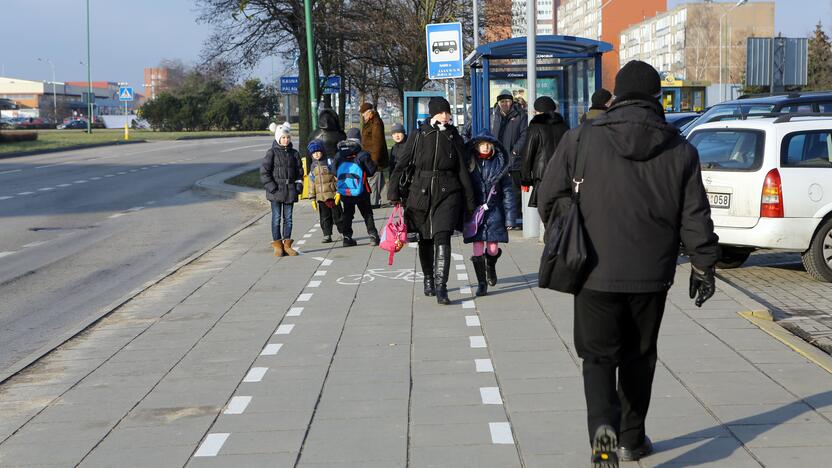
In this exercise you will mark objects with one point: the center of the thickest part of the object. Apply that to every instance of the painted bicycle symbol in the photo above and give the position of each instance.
(403, 274)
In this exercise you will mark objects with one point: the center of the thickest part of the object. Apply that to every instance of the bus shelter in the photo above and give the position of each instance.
(568, 70)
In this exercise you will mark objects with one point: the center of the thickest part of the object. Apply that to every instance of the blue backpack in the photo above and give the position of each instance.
(351, 178)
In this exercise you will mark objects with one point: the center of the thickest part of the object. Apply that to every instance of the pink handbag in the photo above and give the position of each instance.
(394, 237)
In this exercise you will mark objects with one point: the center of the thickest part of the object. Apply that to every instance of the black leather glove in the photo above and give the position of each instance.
(702, 284)
(299, 187)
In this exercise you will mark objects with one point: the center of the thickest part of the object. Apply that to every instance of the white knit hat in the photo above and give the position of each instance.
(284, 129)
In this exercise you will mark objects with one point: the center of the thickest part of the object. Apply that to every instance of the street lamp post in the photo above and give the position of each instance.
(54, 93)
(531, 220)
(89, 74)
(310, 65)
(722, 21)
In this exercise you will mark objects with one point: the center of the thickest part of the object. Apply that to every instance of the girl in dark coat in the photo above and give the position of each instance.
(488, 165)
(439, 196)
(282, 176)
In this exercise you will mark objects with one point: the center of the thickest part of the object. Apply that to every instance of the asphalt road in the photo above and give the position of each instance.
(80, 229)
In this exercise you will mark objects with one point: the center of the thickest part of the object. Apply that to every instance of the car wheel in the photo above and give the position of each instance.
(732, 257)
(818, 259)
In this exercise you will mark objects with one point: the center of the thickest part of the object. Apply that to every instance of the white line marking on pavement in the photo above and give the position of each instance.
(413, 245)
(151, 202)
(212, 444)
(6, 198)
(320, 273)
(305, 297)
(33, 244)
(144, 168)
(95, 178)
(491, 396)
(12, 171)
(317, 224)
(237, 405)
(294, 312)
(155, 165)
(80, 182)
(462, 276)
(307, 236)
(472, 321)
(261, 145)
(5, 254)
(46, 189)
(314, 284)
(271, 349)
(468, 304)
(284, 329)
(313, 230)
(477, 341)
(483, 365)
(500, 433)
(110, 175)
(64, 185)
(135, 208)
(324, 261)
(133, 170)
(300, 242)
(465, 290)
(457, 256)
(25, 193)
(460, 266)
(117, 215)
(255, 374)
(120, 173)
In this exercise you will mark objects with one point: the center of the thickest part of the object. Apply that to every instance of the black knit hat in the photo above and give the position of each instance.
(637, 77)
(504, 94)
(601, 97)
(438, 105)
(354, 134)
(545, 104)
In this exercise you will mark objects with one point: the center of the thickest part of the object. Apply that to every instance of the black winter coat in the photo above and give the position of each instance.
(542, 138)
(485, 174)
(329, 131)
(441, 191)
(642, 193)
(281, 174)
(511, 131)
(396, 153)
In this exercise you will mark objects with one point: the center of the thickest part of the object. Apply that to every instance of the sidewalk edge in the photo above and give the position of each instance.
(215, 185)
(797, 344)
(32, 358)
(69, 148)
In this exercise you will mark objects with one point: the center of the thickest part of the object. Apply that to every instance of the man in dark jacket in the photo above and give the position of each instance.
(374, 142)
(329, 132)
(600, 99)
(349, 151)
(545, 132)
(509, 123)
(641, 194)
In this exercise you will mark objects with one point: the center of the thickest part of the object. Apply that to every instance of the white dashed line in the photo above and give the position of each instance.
(6, 198)
(237, 405)
(483, 365)
(317, 225)
(25, 193)
(300, 242)
(33, 244)
(477, 341)
(46, 189)
(64, 185)
(413, 245)
(460, 266)
(284, 329)
(110, 175)
(117, 215)
(324, 261)
(151, 202)
(294, 312)
(133, 170)
(144, 168)
(255, 374)
(307, 236)
(120, 173)
(5, 254)
(320, 273)
(500, 433)
(271, 349)
(135, 208)
(155, 165)
(313, 230)
(80, 182)
(491, 396)
(314, 284)
(12, 171)
(305, 297)
(468, 304)
(213, 443)
(472, 321)
(465, 290)
(95, 178)
(462, 276)
(457, 256)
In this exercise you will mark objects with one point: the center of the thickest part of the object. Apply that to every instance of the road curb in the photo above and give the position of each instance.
(215, 185)
(69, 148)
(32, 358)
(209, 137)
(797, 344)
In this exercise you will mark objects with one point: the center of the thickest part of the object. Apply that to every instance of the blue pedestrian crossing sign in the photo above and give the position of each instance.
(444, 51)
(125, 93)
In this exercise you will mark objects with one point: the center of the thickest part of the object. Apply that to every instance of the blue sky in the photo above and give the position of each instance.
(130, 35)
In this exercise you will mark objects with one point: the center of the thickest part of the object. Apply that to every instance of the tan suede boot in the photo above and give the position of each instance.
(278, 248)
(287, 247)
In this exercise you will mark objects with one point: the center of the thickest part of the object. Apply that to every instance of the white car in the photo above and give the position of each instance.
(769, 182)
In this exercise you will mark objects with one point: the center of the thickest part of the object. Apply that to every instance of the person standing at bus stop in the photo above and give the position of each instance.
(374, 142)
(640, 195)
(509, 123)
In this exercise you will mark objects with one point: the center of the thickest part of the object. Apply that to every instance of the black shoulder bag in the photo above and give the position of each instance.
(406, 179)
(564, 258)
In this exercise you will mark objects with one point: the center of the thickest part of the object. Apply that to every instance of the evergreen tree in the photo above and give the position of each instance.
(820, 61)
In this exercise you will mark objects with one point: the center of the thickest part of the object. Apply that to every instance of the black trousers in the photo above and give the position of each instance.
(363, 203)
(518, 197)
(618, 332)
(329, 217)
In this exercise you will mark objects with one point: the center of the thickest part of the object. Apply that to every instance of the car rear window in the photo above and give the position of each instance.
(807, 149)
(729, 150)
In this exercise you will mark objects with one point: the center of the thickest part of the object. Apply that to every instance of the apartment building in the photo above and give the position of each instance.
(547, 17)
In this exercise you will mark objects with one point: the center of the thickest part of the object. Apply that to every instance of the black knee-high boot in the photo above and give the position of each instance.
(479, 268)
(491, 270)
(426, 260)
(441, 269)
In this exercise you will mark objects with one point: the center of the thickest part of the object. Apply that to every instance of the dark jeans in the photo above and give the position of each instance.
(617, 331)
(518, 198)
(329, 217)
(282, 211)
(363, 204)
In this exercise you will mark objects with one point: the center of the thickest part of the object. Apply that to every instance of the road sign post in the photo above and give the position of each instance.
(125, 94)
(444, 48)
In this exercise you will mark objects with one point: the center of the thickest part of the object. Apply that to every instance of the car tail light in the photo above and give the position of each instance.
(771, 205)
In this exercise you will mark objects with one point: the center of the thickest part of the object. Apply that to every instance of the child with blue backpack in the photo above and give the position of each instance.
(353, 167)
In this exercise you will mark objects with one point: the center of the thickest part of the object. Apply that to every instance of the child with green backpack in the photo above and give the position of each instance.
(353, 167)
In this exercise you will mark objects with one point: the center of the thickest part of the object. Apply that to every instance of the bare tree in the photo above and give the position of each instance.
(497, 15)
(700, 47)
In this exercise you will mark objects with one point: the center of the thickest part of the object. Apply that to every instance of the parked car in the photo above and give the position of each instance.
(679, 119)
(769, 182)
(759, 107)
(73, 125)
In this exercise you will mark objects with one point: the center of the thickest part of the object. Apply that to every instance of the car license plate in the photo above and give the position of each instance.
(720, 200)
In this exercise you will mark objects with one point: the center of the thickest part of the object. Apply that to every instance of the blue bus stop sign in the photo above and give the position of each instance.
(444, 47)
(290, 84)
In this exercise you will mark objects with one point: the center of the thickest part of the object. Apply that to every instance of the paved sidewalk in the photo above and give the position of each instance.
(334, 358)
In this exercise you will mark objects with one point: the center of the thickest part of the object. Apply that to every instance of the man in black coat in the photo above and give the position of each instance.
(509, 123)
(545, 132)
(641, 195)
(329, 131)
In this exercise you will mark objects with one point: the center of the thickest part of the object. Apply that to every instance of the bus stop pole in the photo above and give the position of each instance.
(531, 220)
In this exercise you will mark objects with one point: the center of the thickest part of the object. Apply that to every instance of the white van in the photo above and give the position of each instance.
(769, 181)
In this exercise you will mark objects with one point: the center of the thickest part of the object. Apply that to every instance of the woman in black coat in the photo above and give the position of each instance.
(439, 195)
(282, 176)
(542, 138)
(329, 132)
